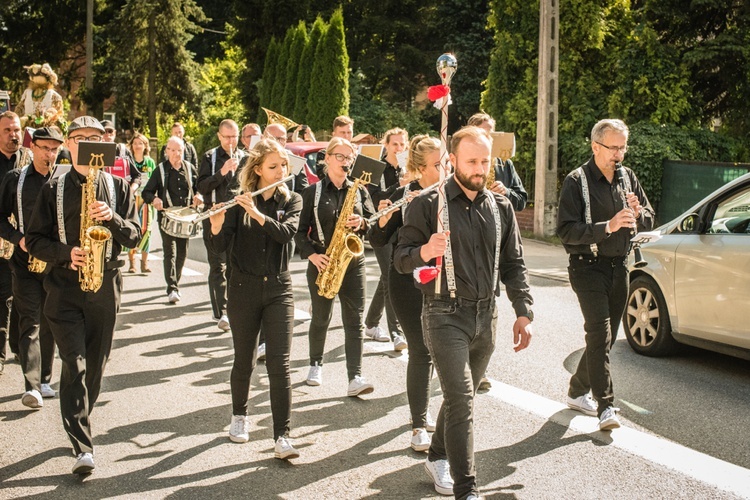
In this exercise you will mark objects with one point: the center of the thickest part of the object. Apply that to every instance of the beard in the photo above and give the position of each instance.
(472, 183)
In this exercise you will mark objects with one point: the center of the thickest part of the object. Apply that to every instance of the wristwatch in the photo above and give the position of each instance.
(529, 315)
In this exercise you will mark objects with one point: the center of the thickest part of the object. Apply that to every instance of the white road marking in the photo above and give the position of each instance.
(186, 271)
(636, 408)
(724, 475)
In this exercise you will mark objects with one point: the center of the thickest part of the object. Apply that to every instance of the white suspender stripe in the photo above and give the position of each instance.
(587, 204)
(318, 191)
(19, 197)
(213, 172)
(498, 238)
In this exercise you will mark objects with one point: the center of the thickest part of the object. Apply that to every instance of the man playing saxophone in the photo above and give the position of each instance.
(82, 323)
(18, 193)
(322, 205)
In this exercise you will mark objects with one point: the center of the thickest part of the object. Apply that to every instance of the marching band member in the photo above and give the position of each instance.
(423, 166)
(258, 234)
(18, 194)
(82, 322)
(481, 243)
(321, 207)
(395, 142)
(217, 177)
(172, 185)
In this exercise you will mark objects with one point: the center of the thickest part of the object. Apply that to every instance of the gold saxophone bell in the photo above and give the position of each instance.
(274, 117)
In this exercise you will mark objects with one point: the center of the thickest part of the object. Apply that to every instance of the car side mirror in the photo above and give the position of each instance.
(689, 223)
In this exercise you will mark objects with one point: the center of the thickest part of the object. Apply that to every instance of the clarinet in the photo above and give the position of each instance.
(636, 247)
(398, 204)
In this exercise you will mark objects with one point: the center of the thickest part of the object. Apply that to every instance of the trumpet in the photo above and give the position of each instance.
(398, 204)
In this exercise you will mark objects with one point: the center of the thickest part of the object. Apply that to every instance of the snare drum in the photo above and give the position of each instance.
(179, 222)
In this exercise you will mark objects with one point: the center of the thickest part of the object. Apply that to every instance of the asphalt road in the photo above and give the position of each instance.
(161, 423)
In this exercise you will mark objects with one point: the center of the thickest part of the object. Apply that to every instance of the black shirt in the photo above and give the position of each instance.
(261, 250)
(506, 173)
(178, 184)
(606, 200)
(210, 178)
(32, 184)
(472, 234)
(42, 237)
(331, 201)
(390, 179)
(8, 164)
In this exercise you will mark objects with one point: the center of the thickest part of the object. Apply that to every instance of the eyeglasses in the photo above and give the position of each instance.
(91, 138)
(613, 149)
(47, 150)
(229, 137)
(109, 131)
(343, 158)
(280, 140)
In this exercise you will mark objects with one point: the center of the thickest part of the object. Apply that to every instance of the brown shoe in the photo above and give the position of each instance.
(132, 265)
(144, 267)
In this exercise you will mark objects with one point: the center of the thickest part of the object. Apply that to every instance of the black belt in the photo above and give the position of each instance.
(591, 258)
(486, 303)
(237, 274)
(108, 266)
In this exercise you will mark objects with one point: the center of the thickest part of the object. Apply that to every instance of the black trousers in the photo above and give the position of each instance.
(266, 302)
(460, 335)
(380, 300)
(407, 303)
(82, 324)
(175, 253)
(601, 285)
(36, 345)
(8, 319)
(352, 298)
(219, 271)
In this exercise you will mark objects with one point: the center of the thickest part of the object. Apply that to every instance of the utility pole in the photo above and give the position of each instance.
(89, 80)
(545, 192)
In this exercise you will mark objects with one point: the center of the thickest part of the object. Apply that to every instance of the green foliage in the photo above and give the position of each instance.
(279, 74)
(375, 116)
(266, 84)
(218, 85)
(329, 89)
(304, 74)
(299, 40)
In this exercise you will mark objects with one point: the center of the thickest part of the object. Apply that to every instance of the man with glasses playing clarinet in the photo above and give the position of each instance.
(601, 202)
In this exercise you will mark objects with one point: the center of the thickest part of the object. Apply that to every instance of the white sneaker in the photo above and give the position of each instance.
(429, 423)
(585, 404)
(47, 391)
(239, 429)
(174, 297)
(261, 352)
(440, 472)
(399, 343)
(420, 440)
(84, 464)
(358, 386)
(32, 399)
(377, 333)
(609, 420)
(315, 375)
(224, 323)
(284, 450)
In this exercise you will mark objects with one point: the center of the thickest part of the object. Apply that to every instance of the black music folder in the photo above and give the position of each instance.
(97, 154)
(366, 164)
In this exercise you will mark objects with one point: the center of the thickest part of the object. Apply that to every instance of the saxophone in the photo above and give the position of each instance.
(490, 176)
(36, 265)
(344, 245)
(94, 238)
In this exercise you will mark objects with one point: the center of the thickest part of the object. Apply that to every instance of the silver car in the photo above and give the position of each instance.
(693, 286)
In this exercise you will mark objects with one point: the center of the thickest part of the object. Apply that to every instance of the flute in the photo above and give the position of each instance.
(213, 211)
(398, 204)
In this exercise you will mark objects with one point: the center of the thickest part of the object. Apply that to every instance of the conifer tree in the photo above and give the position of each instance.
(304, 73)
(279, 79)
(299, 39)
(329, 90)
(266, 83)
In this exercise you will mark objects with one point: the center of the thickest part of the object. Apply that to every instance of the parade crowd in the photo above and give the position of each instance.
(429, 217)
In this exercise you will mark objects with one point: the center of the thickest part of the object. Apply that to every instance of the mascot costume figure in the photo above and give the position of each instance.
(40, 106)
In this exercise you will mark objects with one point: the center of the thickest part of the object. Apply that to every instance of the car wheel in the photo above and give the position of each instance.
(646, 321)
